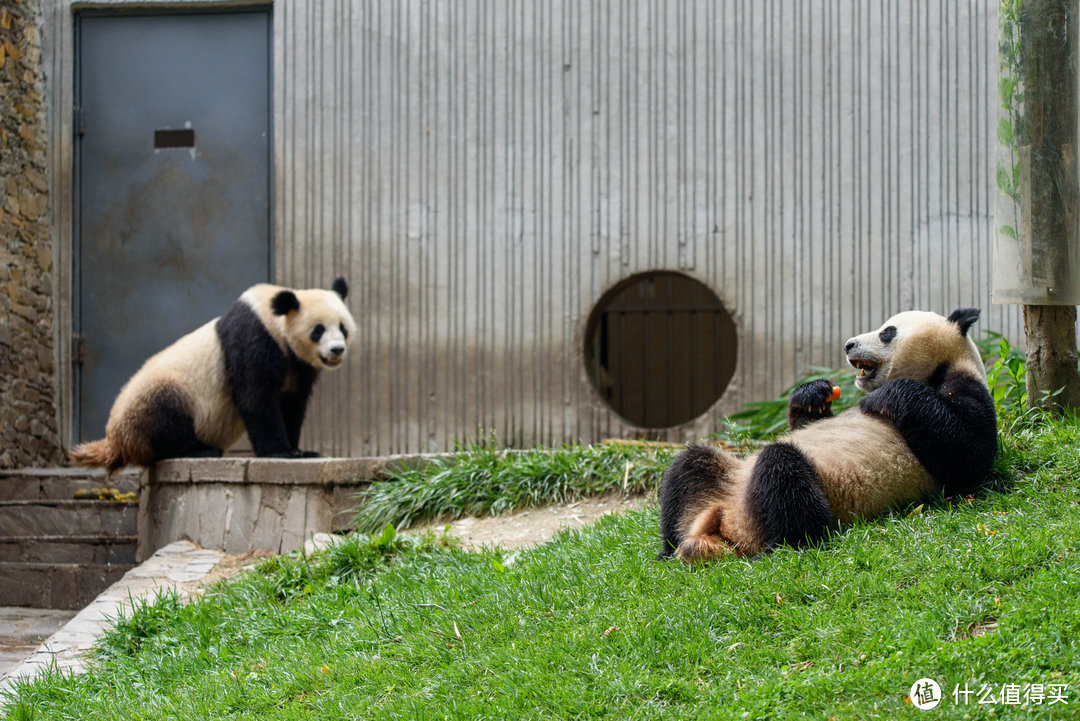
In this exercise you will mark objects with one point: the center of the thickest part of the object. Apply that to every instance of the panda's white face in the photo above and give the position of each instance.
(319, 331)
(331, 343)
(912, 345)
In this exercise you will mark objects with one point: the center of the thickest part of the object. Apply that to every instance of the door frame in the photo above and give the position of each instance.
(60, 46)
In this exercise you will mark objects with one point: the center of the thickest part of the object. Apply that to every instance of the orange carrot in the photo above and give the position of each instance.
(835, 393)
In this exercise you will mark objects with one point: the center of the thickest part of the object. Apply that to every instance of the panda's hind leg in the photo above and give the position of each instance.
(703, 541)
(692, 503)
(168, 426)
(785, 498)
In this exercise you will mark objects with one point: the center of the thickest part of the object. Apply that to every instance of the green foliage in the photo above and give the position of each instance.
(295, 574)
(1010, 130)
(1007, 376)
(1009, 184)
(130, 631)
(22, 712)
(484, 479)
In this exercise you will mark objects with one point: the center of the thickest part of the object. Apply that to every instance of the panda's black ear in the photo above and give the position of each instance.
(284, 302)
(340, 287)
(964, 318)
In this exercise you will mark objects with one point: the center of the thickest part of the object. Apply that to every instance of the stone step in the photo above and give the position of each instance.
(57, 585)
(68, 549)
(61, 483)
(66, 518)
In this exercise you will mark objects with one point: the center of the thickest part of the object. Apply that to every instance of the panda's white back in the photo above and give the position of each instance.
(864, 463)
(194, 362)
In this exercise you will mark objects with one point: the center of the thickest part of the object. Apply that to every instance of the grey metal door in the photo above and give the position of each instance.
(173, 186)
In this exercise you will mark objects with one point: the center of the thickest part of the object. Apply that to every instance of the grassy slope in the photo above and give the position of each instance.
(590, 625)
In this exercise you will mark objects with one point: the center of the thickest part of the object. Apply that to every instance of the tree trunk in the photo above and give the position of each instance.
(1051, 355)
(1049, 79)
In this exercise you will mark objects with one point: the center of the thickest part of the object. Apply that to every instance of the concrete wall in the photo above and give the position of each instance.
(240, 505)
(28, 428)
(485, 170)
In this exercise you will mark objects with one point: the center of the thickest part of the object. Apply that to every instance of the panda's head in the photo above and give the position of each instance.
(316, 324)
(917, 345)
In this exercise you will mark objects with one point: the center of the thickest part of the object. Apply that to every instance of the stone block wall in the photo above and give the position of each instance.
(238, 505)
(28, 433)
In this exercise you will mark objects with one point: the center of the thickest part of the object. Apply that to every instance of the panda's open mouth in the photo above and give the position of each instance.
(867, 369)
(332, 361)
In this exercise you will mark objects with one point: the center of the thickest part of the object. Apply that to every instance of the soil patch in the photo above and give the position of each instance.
(532, 526)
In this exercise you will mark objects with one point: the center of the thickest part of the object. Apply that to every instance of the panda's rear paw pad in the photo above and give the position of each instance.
(702, 549)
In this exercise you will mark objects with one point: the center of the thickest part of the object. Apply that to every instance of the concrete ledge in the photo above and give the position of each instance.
(60, 483)
(50, 517)
(238, 505)
(56, 585)
(285, 471)
(68, 548)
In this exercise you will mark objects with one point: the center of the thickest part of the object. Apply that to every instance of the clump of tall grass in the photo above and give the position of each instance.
(484, 479)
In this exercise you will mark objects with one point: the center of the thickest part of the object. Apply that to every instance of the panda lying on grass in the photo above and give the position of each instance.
(253, 368)
(927, 423)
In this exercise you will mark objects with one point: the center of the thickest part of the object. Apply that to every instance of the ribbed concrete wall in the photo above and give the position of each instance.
(484, 171)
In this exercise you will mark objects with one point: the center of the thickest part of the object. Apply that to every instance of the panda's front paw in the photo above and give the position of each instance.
(891, 399)
(810, 402)
(291, 453)
(877, 404)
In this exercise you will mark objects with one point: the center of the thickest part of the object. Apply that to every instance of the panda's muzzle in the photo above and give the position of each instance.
(336, 354)
(856, 358)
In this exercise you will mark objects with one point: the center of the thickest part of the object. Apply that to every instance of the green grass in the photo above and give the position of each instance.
(592, 626)
(483, 479)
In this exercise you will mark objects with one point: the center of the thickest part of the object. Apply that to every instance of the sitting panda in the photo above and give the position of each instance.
(927, 423)
(253, 368)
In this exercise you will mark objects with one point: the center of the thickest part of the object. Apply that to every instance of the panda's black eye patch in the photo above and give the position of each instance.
(887, 335)
(316, 332)
(344, 332)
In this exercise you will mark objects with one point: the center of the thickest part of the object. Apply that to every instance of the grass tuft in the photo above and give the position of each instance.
(483, 479)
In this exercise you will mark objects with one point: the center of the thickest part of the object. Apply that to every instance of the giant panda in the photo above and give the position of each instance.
(253, 368)
(927, 423)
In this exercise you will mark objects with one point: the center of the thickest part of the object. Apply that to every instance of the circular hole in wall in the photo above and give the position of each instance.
(660, 348)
